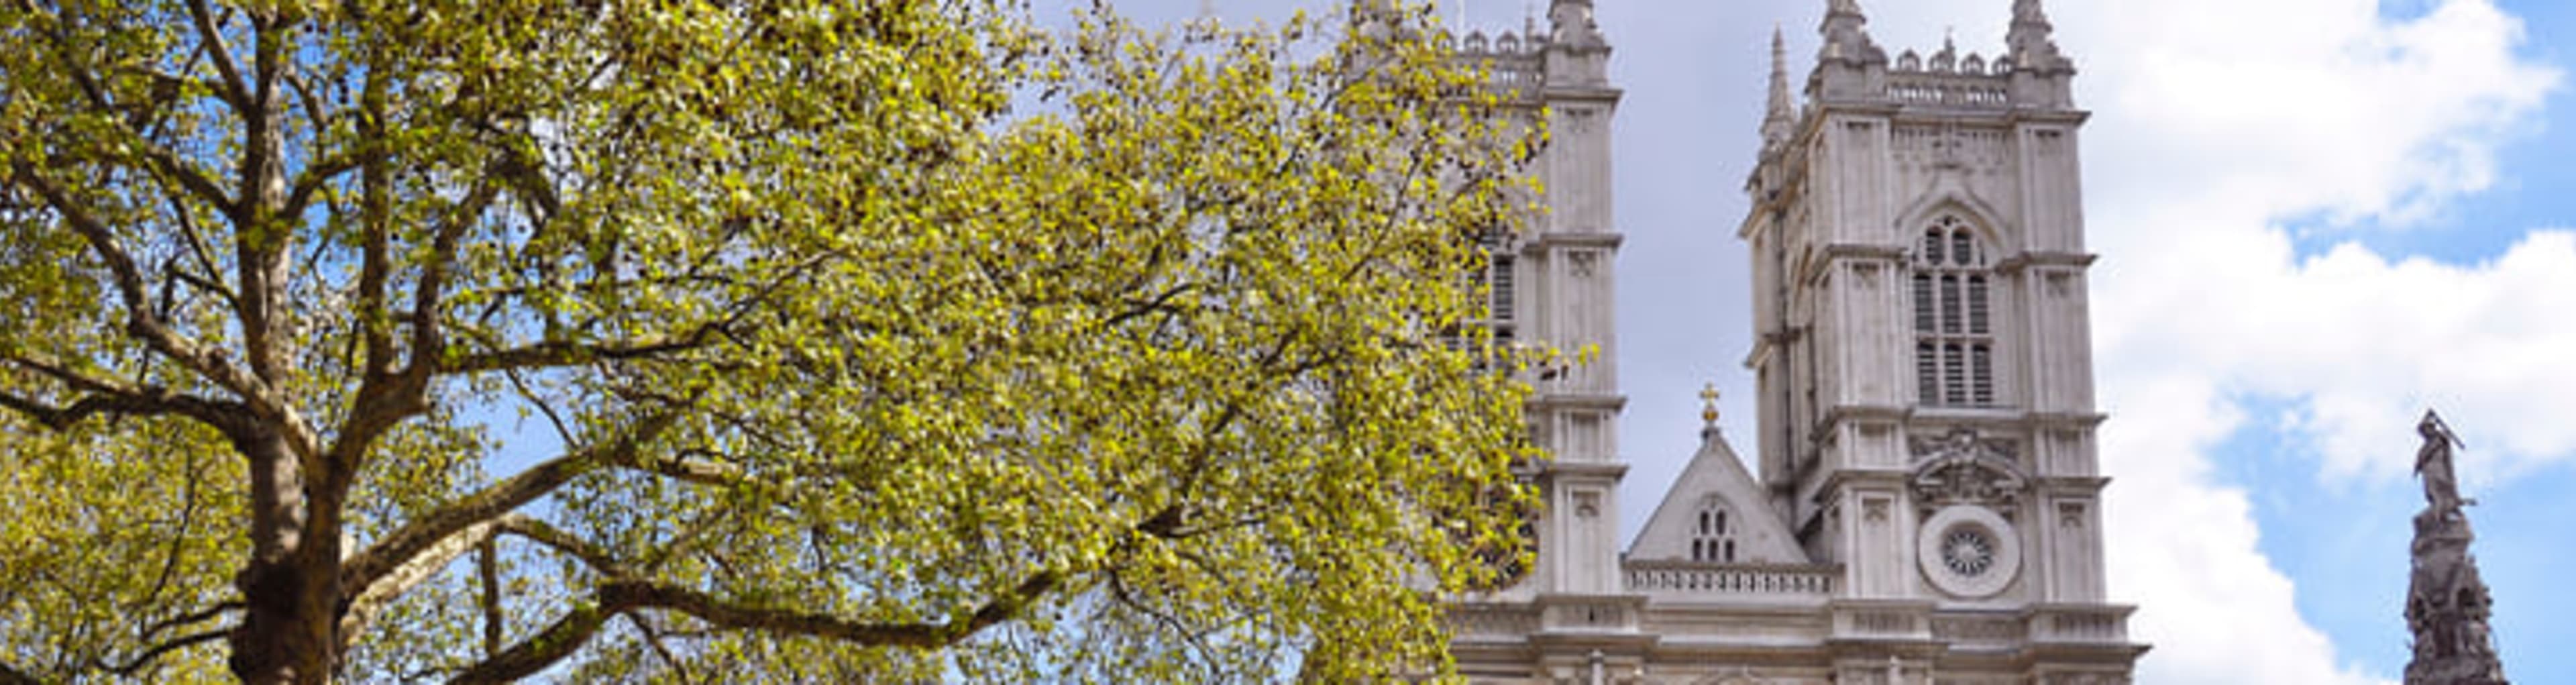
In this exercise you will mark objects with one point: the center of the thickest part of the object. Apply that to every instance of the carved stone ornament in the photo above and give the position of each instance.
(1963, 441)
(1960, 469)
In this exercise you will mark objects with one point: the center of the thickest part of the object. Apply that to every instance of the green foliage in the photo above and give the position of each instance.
(882, 340)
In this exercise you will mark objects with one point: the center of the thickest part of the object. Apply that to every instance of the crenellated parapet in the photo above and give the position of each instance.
(2030, 73)
(1946, 79)
(1513, 62)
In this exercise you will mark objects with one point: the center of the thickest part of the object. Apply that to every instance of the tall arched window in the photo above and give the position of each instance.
(1714, 537)
(1954, 345)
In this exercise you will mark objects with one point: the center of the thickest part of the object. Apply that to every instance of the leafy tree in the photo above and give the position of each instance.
(811, 338)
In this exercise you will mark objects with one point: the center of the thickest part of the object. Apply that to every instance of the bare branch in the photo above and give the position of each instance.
(546, 534)
(155, 653)
(487, 568)
(319, 174)
(234, 88)
(12, 676)
(131, 289)
(427, 339)
(369, 599)
(653, 638)
(105, 396)
(157, 157)
(442, 528)
(553, 354)
(614, 597)
(174, 622)
(60, 418)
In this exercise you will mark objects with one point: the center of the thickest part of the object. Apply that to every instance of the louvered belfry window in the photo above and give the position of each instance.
(1495, 278)
(1954, 330)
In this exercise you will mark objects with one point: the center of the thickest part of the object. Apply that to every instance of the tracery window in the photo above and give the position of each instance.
(1954, 342)
(1714, 537)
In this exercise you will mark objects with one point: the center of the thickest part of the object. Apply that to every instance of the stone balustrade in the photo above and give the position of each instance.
(1954, 90)
(2100, 625)
(1688, 578)
(1503, 621)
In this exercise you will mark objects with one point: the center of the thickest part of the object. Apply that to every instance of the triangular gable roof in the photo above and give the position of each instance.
(1760, 536)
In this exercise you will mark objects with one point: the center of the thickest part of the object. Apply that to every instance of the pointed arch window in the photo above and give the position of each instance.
(1954, 339)
(1713, 535)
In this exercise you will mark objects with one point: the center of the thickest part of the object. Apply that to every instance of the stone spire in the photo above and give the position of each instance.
(2029, 38)
(1571, 24)
(1782, 115)
(2446, 603)
(1845, 39)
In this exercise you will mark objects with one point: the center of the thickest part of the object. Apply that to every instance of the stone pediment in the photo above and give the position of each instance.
(1716, 480)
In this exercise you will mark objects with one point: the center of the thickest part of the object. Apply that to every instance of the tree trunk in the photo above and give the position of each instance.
(291, 585)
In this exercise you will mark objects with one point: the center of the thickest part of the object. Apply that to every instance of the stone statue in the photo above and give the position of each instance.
(2433, 463)
(2447, 604)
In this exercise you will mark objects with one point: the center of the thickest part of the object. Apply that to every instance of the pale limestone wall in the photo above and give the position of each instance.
(1930, 543)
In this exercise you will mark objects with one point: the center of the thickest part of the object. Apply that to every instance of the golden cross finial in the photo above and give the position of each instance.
(1708, 405)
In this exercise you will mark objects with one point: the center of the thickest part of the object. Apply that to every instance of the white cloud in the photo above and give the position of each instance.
(2221, 120)
(2217, 122)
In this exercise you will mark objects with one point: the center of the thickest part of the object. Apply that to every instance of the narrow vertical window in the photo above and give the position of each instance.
(1950, 304)
(1954, 386)
(1977, 305)
(1981, 374)
(1954, 318)
(1923, 315)
(1927, 373)
(1504, 295)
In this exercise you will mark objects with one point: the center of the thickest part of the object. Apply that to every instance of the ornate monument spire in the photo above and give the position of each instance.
(2446, 603)
(1782, 114)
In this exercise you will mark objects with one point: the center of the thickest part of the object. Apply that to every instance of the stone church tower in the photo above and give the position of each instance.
(1927, 502)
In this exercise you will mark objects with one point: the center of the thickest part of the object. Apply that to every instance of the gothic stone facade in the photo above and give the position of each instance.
(1927, 505)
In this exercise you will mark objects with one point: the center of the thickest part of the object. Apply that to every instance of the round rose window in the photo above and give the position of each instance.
(1969, 551)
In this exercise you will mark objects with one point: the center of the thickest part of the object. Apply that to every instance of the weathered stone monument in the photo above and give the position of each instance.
(2446, 603)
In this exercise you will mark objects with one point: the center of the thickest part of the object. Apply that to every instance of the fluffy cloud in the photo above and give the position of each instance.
(2219, 122)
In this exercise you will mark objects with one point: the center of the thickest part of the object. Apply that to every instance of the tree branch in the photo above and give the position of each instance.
(131, 289)
(547, 534)
(12, 676)
(487, 568)
(464, 519)
(442, 529)
(150, 655)
(555, 353)
(156, 156)
(235, 90)
(614, 597)
(178, 621)
(101, 396)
